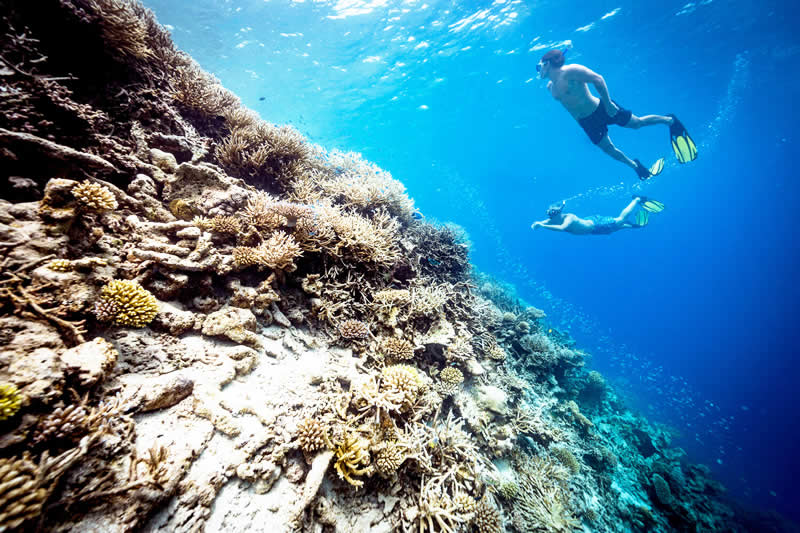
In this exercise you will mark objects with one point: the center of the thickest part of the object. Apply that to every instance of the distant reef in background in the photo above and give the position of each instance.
(209, 323)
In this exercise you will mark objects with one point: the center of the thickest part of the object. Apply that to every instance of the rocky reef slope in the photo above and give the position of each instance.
(208, 323)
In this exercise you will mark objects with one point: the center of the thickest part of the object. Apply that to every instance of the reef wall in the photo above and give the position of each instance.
(207, 322)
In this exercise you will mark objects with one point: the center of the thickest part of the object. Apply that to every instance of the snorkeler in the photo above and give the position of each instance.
(600, 225)
(568, 85)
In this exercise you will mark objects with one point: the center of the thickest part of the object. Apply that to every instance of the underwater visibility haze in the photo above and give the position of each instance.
(291, 278)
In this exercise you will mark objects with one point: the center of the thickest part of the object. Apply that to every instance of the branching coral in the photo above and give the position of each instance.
(352, 459)
(68, 422)
(460, 349)
(94, 197)
(542, 502)
(21, 493)
(199, 91)
(389, 458)
(438, 512)
(488, 518)
(10, 401)
(278, 253)
(566, 458)
(126, 303)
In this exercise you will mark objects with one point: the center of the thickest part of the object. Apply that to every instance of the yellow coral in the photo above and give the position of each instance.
(10, 401)
(352, 459)
(60, 265)
(127, 303)
(94, 196)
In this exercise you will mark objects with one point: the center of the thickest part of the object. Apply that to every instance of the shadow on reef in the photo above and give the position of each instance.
(210, 323)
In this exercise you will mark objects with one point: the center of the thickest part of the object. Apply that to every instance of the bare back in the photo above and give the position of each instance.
(568, 88)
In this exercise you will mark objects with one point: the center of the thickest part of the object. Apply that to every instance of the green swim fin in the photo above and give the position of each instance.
(682, 143)
(642, 218)
(648, 204)
(657, 167)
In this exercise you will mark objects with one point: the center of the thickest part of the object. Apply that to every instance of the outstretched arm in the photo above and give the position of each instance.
(586, 75)
(553, 227)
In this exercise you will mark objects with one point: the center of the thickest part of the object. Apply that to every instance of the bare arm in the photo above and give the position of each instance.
(553, 227)
(586, 75)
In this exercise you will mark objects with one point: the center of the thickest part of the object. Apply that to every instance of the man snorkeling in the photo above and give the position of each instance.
(569, 85)
(600, 225)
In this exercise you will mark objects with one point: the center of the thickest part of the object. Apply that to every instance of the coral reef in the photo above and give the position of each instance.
(210, 323)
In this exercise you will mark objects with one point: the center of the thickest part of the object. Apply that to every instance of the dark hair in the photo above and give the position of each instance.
(555, 209)
(554, 57)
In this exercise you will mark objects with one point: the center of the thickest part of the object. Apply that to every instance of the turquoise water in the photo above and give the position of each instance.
(693, 317)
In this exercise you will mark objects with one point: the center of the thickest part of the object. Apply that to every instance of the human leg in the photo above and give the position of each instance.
(628, 210)
(647, 120)
(608, 147)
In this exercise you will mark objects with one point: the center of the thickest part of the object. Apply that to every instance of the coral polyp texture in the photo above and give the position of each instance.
(21, 494)
(126, 303)
(94, 197)
(311, 435)
(353, 329)
(398, 349)
(308, 333)
(10, 401)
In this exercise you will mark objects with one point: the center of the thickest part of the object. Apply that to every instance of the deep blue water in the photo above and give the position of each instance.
(695, 315)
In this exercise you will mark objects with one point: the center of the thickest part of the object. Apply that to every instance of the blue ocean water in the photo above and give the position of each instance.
(692, 317)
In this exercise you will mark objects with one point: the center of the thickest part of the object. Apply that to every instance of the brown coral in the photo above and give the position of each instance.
(21, 497)
(68, 422)
(126, 303)
(245, 256)
(389, 459)
(398, 349)
(279, 252)
(451, 380)
(223, 224)
(311, 435)
(353, 330)
(94, 196)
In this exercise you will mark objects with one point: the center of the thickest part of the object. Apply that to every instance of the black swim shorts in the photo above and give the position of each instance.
(596, 124)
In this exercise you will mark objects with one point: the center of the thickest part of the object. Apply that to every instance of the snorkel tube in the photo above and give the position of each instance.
(543, 62)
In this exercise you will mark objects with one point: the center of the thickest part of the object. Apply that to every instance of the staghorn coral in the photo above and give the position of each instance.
(352, 459)
(199, 91)
(279, 252)
(94, 197)
(397, 349)
(311, 435)
(353, 330)
(460, 349)
(126, 303)
(437, 510)
(542, 501)
(292, 212)
(21, 494)
(259, 213)
(10, 401)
